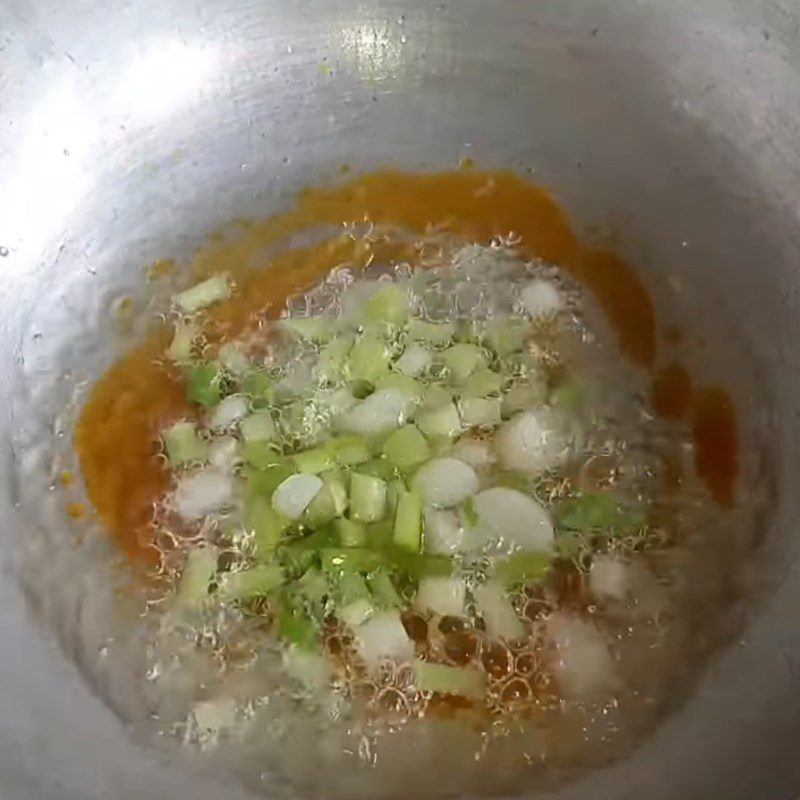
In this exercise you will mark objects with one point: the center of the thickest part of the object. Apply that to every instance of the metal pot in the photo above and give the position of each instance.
(128, 131)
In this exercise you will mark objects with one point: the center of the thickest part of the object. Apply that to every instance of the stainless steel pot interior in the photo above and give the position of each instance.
(128, 130)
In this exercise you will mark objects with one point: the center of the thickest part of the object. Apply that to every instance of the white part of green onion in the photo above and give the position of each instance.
(541, 298)
(480, 412)
(498, 614)
(442, 595)
(230, 410)
(463, 359)
(294, 495)
(533, 442)
(367, 498)
(415, 360)
(258, 427)
(524, 396)
(225, 452)
(183, 444)
(511, 519)
(583, 664)
(443, 421)
(383, 636)
(233, 359)
(204, 492)
(609, 577)
(445, 482)
(203, 294)
(180, 350)
(443, 679)
(310, 670)
(312, 329)
(475, 452)
(380, 412)
(443, 531)
(332, 361)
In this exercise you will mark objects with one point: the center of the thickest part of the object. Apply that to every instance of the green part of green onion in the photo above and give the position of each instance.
(443, 679)
(367, 497)
(506, 336)
(298, 628)
(522, 568)
(482, 383)
(332, 361)
(203, 384)
(203, 294)
(598, 511)
(369, 360)
(569, 395)
(443, 421)
(198, 570)
(471, 517)
(393, 492)
(435, 396)
(352, 587)
(258, 581)
(480, 412)
(407, 448)
(377, 467)
(313, 329)
(350, 450)
(435, 333)
(260, 455)
(315, 460)
(264, 481)
(383, 589)
(408, 522)
(408, 386)
(336, 561)
(388, 304)
(462, 360)
(351, 533)
(258, 386)
(265, 524)
(258, 427)
(183, 444)
(522, 397)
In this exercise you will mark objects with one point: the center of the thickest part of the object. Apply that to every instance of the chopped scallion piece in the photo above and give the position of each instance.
(481, 383)
(383, 590)
(203, 384)
(295, 494)
(415, 361)
(480, 412)
(183, 444)
(203, 294)
(259, 427)
(266, 525)
(313, 329)
(435, 333)
(367, 497)
(443, 421)
(462, 360)
(336, 561)
(314, 461)
(522, 568)
(369, 360)
(351, 533)
(260, 455)
(408, 386)
(267, 479)
(407, 448)
(506, 336)
(408, 522)
(180, 350)
(250, 583)
(350, 450)
(388, 304)
(299, 629)
(199, 569)
(258, 387)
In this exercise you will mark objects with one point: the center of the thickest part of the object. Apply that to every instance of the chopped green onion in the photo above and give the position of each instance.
(506, 336)
(388, 304)
(313, 329)
(377, 467)
(383, 590)
(266, 525)
(298, 628)
(408, 522)
(314, 461)
(435, 333)
(203, 294)
(332, 361)
(523, 396)
(183, 444)
(435, 397)
(330, 503)
(356, 612)
(407, 448)
(259, 388)
(443, 421)
(180, 350)
(415, 360)
(199, 569)
(295, 494)
(258, 427)
(444, 595)
(350, 450)
(203, 384)
(480, 412)
(463, 359)
(367, 497)
(267, 479)
(351, 533)
(336, 561)
(255, 582)
(369, 360)
(569, 395)
(598, 511)
(481, 383)
(522, 568)
(393, 492)
(260, 455)
(408, 386)
(498, 614)
(443, 679)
